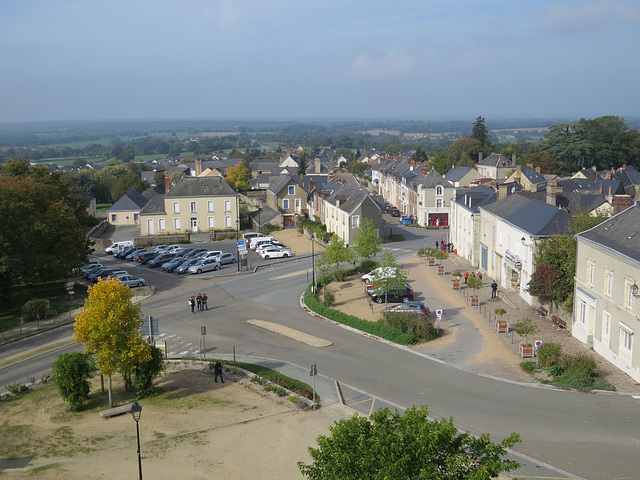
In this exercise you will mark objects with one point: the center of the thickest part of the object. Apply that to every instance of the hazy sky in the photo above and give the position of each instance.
(422, 59)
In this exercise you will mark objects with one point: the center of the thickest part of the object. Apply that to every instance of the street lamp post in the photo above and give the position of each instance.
(136, 411)
(313, 263)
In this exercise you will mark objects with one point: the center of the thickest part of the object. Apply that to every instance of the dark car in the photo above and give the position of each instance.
(415, 308)
(195, 252)
(184, 266)
(124, 252)
(160, 259)
(145, 257)
(394, 212)
(132, 256)
(400, 295)
(174, 263)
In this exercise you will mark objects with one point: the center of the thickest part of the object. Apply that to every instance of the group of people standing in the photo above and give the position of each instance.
(444, 246)
(200, 301)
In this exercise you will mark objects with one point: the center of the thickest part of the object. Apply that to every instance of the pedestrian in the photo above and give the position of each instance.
(437, 245)
(199, 301)
(480, 275)
(494, 289)
(217, 370)
(192, 303)
(204, 302)
(466, 276)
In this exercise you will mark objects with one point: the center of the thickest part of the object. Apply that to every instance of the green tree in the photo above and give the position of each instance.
(389, 276)
(525, 327)
(366, 242)
(441, 162)
(467, 146)
(336, 253)
(158, 178)
(108, 327)
(480, 132)
(35, 309)
(302, 162)
(391, 445)
(145, 372)
(71, 372)
(419, 155)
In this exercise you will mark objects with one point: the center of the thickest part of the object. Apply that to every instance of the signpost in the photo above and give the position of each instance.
(203, 332)
(438, 318)
(150, 328)
(313, 373)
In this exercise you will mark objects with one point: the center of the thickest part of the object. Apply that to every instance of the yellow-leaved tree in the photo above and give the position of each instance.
(108, 327)
(238, 176)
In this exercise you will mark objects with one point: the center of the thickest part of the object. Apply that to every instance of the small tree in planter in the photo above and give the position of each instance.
(500, 311)
(474, 283)
(525, 327)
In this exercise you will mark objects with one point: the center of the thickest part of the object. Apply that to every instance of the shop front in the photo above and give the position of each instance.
(512, 269)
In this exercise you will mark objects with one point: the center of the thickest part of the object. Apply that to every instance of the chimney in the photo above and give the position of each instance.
(607, 175)
(552, 192)
(502, 191)
(167, 183)
(513, 159)
(501, 161)
(479, 157)
(624, 166)
(601, 188)
(198, 167)
(317, 165)
(424, 170)
(312, 185)
(621, 202)
(518, 174)
(538, 169)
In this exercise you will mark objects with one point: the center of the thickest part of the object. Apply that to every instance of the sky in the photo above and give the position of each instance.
(309, 59)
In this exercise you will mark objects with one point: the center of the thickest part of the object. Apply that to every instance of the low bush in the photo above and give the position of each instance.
(529, 366)
(16, 388)
(339, 275)
(262, 374)
(329, 299)
(35, 309)
(549, 354)
(366, 266)
(581, 364)
(277, 389)
(396, 237)
(557, 371)
(422, 329)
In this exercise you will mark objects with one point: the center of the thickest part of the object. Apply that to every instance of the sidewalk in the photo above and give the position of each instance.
(518, 309)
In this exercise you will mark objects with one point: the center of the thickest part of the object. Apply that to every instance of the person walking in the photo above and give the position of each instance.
(204, 302)
(217, 370)
(192, 303)
(199, 301)
(466, 276)
(494, 289)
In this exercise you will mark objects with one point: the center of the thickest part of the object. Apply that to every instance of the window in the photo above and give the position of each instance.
(484, 228)
(582, 312)
(285, 203)
(626, 339)
(194, 209)
(629, 293)
(493, 234)
(606, 326)
(135, 217)
(114, 217)
(227, 205)
(209, 206)
(355, 221)
(608, 283)
(227, 221)
(176, 207)
(212, 223)
(161, 224)
(292, 189)
(438, 202)
(176, 223)
(591, 268)
(439, 190)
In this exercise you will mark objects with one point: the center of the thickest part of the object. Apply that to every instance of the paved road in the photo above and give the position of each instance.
(592, 436)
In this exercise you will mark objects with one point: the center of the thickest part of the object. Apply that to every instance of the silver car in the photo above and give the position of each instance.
(184, 267)
(131, 280)
(205, 265)
(225, 258)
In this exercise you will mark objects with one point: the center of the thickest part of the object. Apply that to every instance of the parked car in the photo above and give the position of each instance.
(167, 248)
(195, 252)
(388, 272)
(104, 274)
(131, 280)
(394, 212)
(89, 268)
(160, 259)
(399, 295)
(184, 267)
(406, 220)
(174, 263)
(259, 241)
(88, 274)
(131, 256)
(248, 236)
(117, 246)
(275, 252)
(124, 252)
(144, 258)
(262, 246)
(183, 252)
(211, 254)
(226, 258)
(416, 308)
(205, 265)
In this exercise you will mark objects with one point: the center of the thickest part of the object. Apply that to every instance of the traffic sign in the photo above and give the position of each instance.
(242, 242)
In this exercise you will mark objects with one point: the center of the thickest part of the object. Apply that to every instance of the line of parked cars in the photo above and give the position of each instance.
(266, 246)
(97, 271)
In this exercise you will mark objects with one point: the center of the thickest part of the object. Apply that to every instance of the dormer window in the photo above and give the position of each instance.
(439, 190)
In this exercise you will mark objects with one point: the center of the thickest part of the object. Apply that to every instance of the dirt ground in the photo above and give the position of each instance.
(195, 429)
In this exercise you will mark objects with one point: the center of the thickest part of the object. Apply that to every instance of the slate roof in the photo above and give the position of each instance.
(155, 206)
(532, 175)
(532, 216)
(457, 173)
(432, 180)
(201, 187)
(132, 200)
(493, 160)
(620, 233)
(277, 183)
(476, 197)
(572, 202)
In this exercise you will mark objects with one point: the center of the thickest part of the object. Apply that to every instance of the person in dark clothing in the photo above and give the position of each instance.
(204, 302)
(192, 303)
(494, 289)
(217, 370)
(199, 301)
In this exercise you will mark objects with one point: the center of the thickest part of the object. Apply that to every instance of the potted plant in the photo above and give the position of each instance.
(502, 326)
(527, 350)
(431, 261)
(440, 269)
(474, 283)
(455, 283)
(525, 327)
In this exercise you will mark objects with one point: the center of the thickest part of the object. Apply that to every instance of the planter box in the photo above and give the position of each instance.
(455, 284)
(440, 270)
(527, 352)
(431, 262)
(502, 327)
(474, 301)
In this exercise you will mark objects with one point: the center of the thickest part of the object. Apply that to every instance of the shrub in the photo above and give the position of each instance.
(277, 389)
(396, 237)
(581, 364)
(258, 379)
(329, 299)
(293, 398)
(601, 384)
(366, 266)
(422, 329)
(339, 275)
(35, 309)
(574, 380)
(557, 371)
(549, 354)
(16, 388)
(71, 372)
(457, 273)
(529, 366)
(144, 374)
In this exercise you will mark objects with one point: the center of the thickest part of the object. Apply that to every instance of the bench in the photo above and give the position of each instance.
(114, 412)
(542, 312)
(560, 324)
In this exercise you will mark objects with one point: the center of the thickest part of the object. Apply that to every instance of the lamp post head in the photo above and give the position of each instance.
(136, 411)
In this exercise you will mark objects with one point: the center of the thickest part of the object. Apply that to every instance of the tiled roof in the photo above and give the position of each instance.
(620, 233)
(132, 200)
(201, 187)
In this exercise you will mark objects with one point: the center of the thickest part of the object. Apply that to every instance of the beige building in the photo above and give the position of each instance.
(287, 197)
(606, 304)
(198, 204)
(126, 210)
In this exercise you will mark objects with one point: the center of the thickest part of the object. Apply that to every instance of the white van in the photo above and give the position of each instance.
(116, 247)
(247, 237)
(262, 240)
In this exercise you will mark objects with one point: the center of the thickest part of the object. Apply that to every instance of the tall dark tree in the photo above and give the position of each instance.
(480, 132)
(302, 162)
